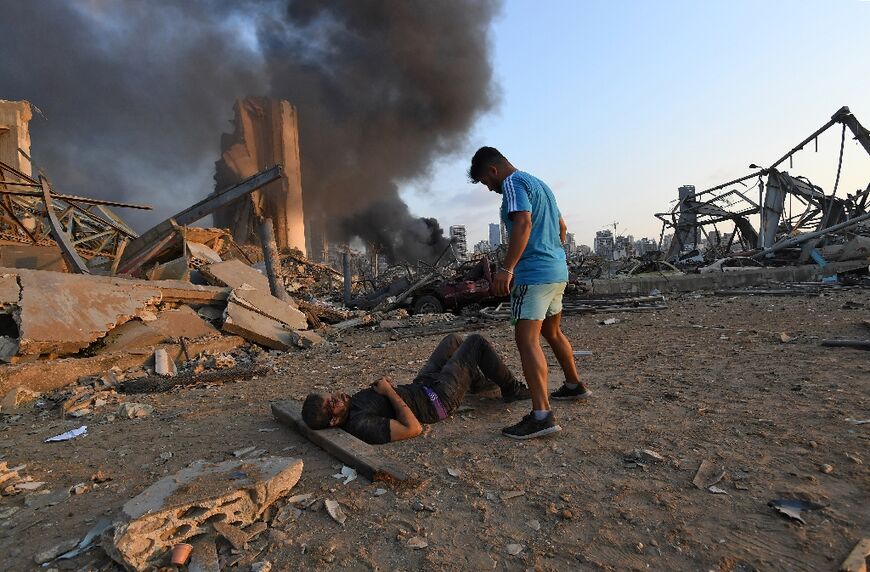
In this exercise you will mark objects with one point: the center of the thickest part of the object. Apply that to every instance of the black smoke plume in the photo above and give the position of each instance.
(136, 94)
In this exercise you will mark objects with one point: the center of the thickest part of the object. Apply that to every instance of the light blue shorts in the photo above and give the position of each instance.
(536, 301)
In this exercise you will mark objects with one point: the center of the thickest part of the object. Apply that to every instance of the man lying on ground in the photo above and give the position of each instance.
(385, 413)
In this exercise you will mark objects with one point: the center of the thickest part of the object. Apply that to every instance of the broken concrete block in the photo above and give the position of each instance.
(10, 293)
(191, 501)
(135, 410)
(17, 397)
(202, 252)
(233, 534)
(204, 557)
(163, 364)
(305, 339)
(176, 269)
(182, 322)
(235, 274)
(257, 328)
(8, 348)
(64, 313)
(262, 302)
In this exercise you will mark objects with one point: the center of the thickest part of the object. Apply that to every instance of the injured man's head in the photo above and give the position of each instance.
(322, 410)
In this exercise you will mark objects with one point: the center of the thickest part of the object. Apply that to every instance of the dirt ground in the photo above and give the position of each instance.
(707, 379)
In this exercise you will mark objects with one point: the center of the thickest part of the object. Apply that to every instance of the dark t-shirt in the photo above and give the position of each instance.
(370, 412)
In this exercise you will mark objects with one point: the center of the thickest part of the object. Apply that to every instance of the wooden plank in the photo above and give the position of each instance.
(365, 458)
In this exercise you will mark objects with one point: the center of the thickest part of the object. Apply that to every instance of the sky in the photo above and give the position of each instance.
(617, 104)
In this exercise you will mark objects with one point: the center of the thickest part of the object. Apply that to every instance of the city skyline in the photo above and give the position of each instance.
(614, 112)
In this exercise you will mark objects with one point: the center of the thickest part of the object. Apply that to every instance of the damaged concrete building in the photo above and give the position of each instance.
(266, 134)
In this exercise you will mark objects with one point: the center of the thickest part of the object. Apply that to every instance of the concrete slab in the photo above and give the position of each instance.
(183, 322)
(61, 313)
(234, 273)
(203, 252)
(257, 328)
(186, 504)
(64, 313)
(45, 376)
(262, 302)
(10, 293)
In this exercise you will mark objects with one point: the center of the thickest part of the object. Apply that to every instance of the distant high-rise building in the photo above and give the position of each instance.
(460, 244)
(570, 244)
(482, 247)
(494, 235)
(503, 233)
(604, 244)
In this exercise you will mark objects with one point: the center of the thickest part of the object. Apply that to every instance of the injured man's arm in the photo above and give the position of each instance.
(406, 425)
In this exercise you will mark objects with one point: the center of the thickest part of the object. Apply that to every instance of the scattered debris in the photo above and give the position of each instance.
(717, 490)
(514, 549)
(708, 474)
(71, 434)
(455, 473)
(534, 525)
(163, 364)
(178, 506)
(512, 494)
(417, 543)
(347, 473)
(607, 322)
(334, 510)
(793, 508)
(131, 410)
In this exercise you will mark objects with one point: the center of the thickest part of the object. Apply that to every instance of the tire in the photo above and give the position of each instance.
(428, 304)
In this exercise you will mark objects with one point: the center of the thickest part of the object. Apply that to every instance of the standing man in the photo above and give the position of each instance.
(535, 263)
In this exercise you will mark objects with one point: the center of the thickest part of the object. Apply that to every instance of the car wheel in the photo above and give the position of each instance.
(428, 304)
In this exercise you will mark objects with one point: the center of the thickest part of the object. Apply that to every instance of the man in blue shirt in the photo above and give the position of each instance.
(535, 273)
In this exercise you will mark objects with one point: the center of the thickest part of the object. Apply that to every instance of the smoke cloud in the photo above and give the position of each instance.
(135, 95)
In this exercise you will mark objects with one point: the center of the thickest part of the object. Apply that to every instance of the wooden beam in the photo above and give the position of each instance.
(365, 458)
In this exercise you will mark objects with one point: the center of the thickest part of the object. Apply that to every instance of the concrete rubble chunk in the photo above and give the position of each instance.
(182, 322)
(163, 364)
(8, 348)
(204, 557)
(135, 410)
(305, 339)
(62, 313)
(235, 274)
(10, 293)
(187, 504)
(262, 302)
(202, 252)
(257, 328)
(17, 397)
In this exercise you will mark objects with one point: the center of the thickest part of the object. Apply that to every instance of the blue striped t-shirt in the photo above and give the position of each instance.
(543, 260)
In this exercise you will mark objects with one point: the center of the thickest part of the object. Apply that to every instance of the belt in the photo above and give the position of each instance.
(436, 403)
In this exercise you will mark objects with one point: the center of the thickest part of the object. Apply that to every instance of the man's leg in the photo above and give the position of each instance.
(529, 305)
(475, 355)
(527, 334)
(561, 345)
(443, 352)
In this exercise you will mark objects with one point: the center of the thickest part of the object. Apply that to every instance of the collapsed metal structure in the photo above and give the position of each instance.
(84, 228)
(812, 212)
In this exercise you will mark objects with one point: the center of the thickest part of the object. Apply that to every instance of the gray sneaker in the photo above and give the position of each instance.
(530, 427)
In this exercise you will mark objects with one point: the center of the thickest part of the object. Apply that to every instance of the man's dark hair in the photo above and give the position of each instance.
(483, 158)
(313, 412)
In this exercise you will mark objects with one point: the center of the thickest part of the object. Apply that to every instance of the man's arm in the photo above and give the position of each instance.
(407, 426)
(521, 229)
(563, 230)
